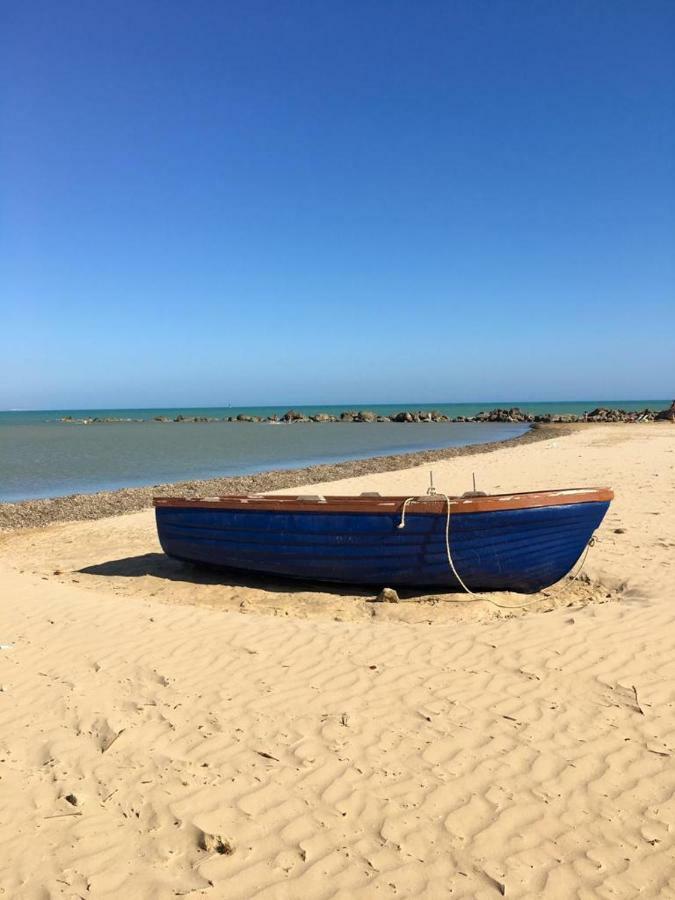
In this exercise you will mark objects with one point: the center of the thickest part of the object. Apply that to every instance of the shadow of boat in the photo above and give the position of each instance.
(158, 565)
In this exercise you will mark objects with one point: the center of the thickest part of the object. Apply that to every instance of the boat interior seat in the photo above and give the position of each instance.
(311, 498)
(370, 494)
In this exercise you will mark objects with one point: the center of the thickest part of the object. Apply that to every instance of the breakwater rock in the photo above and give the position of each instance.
(513, 414)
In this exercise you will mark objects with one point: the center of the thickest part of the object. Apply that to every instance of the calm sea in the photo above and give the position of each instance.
(41, 457)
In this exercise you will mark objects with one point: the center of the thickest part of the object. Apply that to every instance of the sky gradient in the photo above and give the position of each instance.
(330, 202)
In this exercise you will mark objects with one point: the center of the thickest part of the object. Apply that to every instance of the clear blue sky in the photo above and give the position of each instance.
(336, 201)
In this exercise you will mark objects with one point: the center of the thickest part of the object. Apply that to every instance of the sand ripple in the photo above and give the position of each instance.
(153, 748)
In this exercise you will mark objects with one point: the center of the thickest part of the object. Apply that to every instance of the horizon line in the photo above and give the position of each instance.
(361, 404)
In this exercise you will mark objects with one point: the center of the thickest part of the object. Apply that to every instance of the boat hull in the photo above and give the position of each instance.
(521, 549)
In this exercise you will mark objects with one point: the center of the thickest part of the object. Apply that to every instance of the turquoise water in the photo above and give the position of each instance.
(41, 457)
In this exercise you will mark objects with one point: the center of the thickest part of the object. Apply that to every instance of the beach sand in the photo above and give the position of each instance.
(164, 733)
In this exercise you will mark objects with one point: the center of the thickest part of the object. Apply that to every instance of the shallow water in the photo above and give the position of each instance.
(42, 457)
(48, 460)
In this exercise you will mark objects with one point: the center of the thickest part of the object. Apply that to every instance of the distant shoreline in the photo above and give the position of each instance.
(46, 511)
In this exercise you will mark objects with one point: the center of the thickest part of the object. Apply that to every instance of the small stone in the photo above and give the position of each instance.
(387, 595)
(619, 531)
(214, 843)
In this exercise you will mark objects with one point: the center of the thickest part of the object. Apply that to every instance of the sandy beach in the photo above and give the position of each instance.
(165, 732)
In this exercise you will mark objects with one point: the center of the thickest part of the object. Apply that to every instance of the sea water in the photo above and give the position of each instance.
(43, 457)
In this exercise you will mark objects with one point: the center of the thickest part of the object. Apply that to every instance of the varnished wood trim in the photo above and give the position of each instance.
(426, 505)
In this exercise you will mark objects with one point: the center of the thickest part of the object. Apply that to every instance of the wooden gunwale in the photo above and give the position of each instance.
(426, 505)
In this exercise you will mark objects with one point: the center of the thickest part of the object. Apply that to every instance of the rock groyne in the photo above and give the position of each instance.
(294, 416)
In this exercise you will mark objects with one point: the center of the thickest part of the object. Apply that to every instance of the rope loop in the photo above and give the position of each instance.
(401, 524)
(477, 597)
(451, 563)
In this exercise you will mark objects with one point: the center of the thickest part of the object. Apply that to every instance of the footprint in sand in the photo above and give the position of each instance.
(214, 843)
(101, 730)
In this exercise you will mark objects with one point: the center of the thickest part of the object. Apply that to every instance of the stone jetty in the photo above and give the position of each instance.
(294, 416)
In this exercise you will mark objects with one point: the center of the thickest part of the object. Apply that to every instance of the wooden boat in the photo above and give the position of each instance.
(503, 542)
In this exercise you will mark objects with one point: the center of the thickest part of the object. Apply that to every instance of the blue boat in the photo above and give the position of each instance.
(503, 542)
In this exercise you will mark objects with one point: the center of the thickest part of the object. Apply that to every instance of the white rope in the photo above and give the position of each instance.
(447, 546)
(451, 563)
(408, 500)
(476, 598)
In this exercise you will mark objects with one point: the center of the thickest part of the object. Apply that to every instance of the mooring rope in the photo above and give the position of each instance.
(473, 597)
